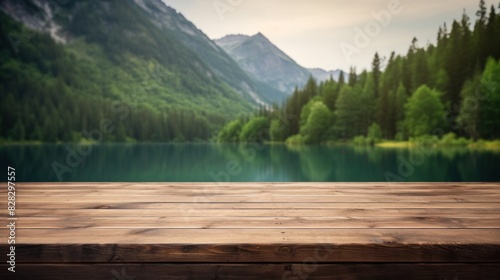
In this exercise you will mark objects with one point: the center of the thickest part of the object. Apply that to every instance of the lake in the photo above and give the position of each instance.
(250, 162)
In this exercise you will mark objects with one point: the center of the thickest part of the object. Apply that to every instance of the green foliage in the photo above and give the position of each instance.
(489, 97)
(353, 114)
(230, 132)
(316, 124)
(255, 130)
(374, 136)
(276, 131)
(329, 94)
(398, 108)
(346, 105)
(424, 112)
(479, 111)
(295, 140)
(360, 141)
(451, 139)
(374, 133)
(469, 111)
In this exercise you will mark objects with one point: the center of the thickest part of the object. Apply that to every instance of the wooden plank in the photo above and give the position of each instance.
(292, 271)
(246, 188)
(260, 198)
(326, 252)
(256, 222)
(259, 224)
(256, 236)
(230, 191)
(184, 210)
(250, 205)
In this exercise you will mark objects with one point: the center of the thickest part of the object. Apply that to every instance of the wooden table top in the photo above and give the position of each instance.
(256, 222)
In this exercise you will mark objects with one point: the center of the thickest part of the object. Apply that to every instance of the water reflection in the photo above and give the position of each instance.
(223, 162)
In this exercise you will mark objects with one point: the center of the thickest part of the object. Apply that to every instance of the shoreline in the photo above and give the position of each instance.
(478, 145)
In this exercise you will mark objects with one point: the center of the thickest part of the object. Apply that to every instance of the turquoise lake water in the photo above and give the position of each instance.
(250, 162)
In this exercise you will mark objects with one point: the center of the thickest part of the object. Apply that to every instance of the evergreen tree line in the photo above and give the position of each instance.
(452, 87)
(73, 119)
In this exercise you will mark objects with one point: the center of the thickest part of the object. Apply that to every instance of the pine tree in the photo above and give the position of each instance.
(345, 121)
(383, 113)
(376, 72)
(490, 34)
(353, 77)
(480, 34)
(454, 65)
(341, 79)
(496, 48)
(329, 94)
(367, 101)
(481, 13)
(399, 108)
(489, 97)
(469, 111)
(350, 113)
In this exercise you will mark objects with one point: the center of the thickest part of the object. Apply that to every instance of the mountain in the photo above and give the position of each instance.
(224, 67)
(261, 59)
(322, 75)
(264, 61)
(63, 68)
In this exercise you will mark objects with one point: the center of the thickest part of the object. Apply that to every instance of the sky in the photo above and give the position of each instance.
(330, 34)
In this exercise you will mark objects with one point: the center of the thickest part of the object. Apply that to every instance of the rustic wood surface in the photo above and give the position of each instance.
(134, 271)
(353, 230)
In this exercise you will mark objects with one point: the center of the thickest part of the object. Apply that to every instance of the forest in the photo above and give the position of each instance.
(449, 92)
(52, 92)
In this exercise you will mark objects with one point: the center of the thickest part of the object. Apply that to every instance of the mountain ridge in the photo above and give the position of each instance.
(322, 75)
(259, 57)
(262, 59)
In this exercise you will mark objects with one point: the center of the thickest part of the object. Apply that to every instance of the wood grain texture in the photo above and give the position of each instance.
(244, 205)
(285, 271)
(242, 222)
(327, 252)
(257, 230)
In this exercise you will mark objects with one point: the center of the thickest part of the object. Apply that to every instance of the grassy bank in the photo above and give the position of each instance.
(481, 144)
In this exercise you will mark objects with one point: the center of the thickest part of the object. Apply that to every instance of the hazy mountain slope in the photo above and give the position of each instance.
(266, 62)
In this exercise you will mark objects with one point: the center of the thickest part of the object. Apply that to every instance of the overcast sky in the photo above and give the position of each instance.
(321, 33)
